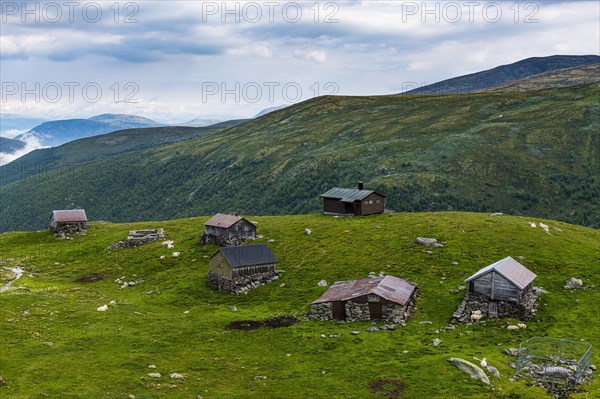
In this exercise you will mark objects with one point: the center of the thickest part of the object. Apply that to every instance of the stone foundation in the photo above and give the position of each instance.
(241, 285)
(320, 311)
(360, 312)
(209, 239)
(521, 311)
(70, 228)
(357, 311)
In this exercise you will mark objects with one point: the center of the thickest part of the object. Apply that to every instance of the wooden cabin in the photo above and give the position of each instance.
(73, 219)
(239, 268)
(372, 298)
(351, 201)
(229, 227)
(502, 289)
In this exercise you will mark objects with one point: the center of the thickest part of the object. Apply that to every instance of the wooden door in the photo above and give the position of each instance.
(375, 310)
(492, 309)
(339, 310)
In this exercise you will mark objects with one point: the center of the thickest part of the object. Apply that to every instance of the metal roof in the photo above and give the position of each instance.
(72, 215)
(223, 220)
(510, 269)
(248, 255)
(392, 288)
(348, 194)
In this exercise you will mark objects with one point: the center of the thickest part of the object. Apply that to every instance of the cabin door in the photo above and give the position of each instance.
(339, 310)
(492, 309)
(375, 310)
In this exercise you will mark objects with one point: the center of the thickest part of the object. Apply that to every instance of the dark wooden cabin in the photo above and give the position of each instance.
(506, 281)
(72, 219)
(229, 226)
(238, 267)
(371, 298)
(350, 201)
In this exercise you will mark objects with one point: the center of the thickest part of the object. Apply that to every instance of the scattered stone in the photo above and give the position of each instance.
(494, 371)
(154, 375)
(429, 252)
(438, 245)
(425, 241)
(454, 263)
(557, 229)
(131, 397)
(177, 376)
(371, 329)
(323, 336)
(102, 308)
(152, 366)
(425, 322)
(271, 240)
(436, 341)
(512, 351)
(234, 309)
(112, 303)
(358, 332)
(307, 232)
(26, 313)
(532, 224)
(322, 283)
(335, 335)
(462, 287)
(176, 254)
(186, 312)
(474, 371)
(593, 367)
(521, 257)
(540, 290)
(496, 214)
(260, 377)
(49, 343)
(573, 284)
(282, 285)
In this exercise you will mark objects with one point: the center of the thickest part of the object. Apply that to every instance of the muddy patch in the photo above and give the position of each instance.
(274, 322)
(388, 388)
(90, 278)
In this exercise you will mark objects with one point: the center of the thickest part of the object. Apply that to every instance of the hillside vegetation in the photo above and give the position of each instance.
(533, 153)
(55, 344)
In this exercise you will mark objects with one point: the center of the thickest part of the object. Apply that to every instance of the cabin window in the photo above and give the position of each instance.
(366, 202)
(377, 201)
(371, 202)
(373, 298)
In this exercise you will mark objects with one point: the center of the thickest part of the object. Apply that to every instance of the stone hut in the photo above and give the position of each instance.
(68, 220)
(225, 230)
(237, 269)
(385, 298)
(351, 201)
(502, 289)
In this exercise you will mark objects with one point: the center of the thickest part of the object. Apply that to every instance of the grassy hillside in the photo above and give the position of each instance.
(534, 153)
(66, 349)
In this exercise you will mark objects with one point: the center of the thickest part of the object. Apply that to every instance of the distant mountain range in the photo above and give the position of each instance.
(17, 122)
(9, 146)
(506, 74)
(54, 133)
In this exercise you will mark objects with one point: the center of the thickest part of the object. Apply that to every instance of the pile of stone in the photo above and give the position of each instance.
(472, 302)
(138, 238)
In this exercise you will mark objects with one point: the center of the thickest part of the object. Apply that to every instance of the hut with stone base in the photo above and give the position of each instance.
(385, 298)
(502, 289)
(238, 269)
(224, 230)
(72, 220)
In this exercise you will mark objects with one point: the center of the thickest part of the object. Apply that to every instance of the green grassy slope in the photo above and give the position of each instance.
(534, 153)
(66, 349)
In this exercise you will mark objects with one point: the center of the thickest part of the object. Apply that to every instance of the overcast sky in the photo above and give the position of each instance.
(179, 60)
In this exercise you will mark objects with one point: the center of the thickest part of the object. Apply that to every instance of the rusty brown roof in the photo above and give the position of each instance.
(389, 287)
(71, 215)
(223, 220)
(510, 269)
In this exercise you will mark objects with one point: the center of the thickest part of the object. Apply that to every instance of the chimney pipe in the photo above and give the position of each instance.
(360, 185)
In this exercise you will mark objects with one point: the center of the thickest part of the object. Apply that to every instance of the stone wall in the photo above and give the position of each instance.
(357, 311)
(521, 311)
(241, 285)
(70, 228)
(321, 311)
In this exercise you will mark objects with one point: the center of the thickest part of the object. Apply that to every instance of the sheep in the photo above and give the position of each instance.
(176, 254)
(112, 303)
(532, 225)
(102, 308)
(476, 317)
(512, 328)
(169, 242)
(162, 257)
(522, 325)
(170, 246)
(483, 363)
(476, 312)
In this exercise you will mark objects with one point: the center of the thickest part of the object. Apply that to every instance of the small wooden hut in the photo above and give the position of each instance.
(224, 229)
(502, 289)
(386, 298)
(239, 268)
(351, 201)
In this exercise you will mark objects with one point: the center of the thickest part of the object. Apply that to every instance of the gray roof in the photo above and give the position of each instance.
(248, 255)
(510, 269)
(392, 288)
(348, 194)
